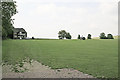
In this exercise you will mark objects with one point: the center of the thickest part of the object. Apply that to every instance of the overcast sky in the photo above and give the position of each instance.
(45, 18)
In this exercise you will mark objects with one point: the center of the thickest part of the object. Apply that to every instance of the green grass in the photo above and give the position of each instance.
(96, 57)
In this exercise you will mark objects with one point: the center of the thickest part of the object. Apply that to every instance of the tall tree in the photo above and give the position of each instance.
(8, 10)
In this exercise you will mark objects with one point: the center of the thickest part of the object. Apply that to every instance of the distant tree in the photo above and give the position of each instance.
(68, 36)
(62, 34)
(83, 38)
(89, 36)
(33, 38)
(110, 36)
(78, 36)
(102, 36)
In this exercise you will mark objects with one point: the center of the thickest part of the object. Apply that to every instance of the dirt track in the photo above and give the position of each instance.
(37, 70)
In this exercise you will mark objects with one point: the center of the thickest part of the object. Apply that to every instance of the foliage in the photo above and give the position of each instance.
(4, 33)
(63, 34)
(8, 10)
(68, 36)
(78, 36)
(110, 36)
(102, 36)
(89, 36)
(89, 56)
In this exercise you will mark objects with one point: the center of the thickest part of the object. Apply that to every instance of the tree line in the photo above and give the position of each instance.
(63, 34)
(109, 36)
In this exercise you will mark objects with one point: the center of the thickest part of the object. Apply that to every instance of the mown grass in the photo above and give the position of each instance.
(96, 57)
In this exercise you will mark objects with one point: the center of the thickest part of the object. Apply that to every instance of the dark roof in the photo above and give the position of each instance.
(19, 30)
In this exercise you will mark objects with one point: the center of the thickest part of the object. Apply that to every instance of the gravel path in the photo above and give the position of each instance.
(37, 70)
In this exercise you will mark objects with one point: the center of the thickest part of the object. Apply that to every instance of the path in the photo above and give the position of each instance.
(37, 70)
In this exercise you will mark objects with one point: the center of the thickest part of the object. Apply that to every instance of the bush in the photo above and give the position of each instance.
(83, 38)
(33, 38)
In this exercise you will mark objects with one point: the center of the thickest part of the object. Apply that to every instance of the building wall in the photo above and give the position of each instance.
(20, 35)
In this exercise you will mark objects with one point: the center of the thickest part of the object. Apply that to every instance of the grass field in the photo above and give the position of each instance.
(96, 57)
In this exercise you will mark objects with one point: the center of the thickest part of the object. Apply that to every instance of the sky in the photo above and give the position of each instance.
(45, 18)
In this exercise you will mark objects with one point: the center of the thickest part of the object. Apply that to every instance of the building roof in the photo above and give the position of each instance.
(19, 30)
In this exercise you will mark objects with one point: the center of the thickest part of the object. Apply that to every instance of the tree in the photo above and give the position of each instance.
(110, 36)
(68, 36)
(8, 10)
(89, 36)
(78, 36)
(62, 34)
(102, 36)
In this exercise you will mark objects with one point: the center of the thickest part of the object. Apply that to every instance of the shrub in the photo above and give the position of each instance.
(33, 38)
(83, 38)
